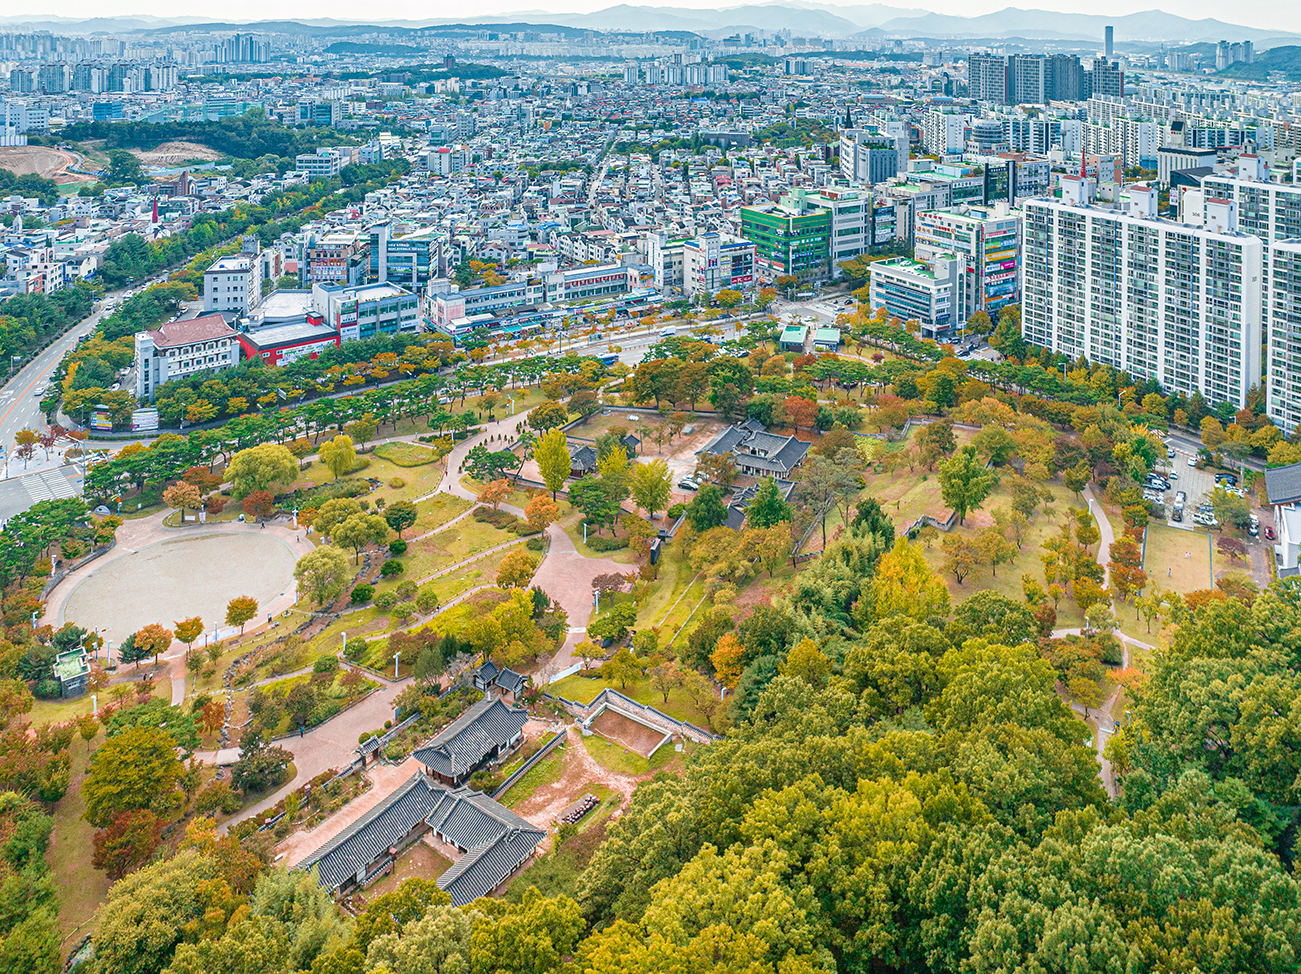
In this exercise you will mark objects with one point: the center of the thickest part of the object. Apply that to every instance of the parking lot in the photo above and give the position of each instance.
(1197, 484)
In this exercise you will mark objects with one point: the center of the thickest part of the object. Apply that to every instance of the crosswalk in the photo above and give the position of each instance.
(48, 485)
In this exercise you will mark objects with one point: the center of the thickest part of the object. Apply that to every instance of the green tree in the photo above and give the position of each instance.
(338, 455)
(651, 485)
(964, 482)
(707, 509)
(1077, 477)
(768, 507)
(268, 466)
(400, 515)
(552, 456)
(359, 531)
(322, 574)
(548, 415)
(135, 769)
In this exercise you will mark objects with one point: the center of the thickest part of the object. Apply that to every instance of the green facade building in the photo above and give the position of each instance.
(787, 239)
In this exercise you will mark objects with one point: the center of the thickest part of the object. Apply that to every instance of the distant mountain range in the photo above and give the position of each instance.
(801, 17)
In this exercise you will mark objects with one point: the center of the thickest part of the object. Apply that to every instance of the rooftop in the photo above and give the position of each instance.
(188, 331)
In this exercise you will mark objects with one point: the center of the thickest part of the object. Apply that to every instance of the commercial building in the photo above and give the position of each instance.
(1173, 302)
(928, 293)
(366, 310)
(280, 344)
(986, 242)
(410, 260)
(1172, 159)
(337, 258)
(322, 164)
(181, 348)
(711, 263)
(791, 237)
(321, 112)
(233, 284)
(866, 157)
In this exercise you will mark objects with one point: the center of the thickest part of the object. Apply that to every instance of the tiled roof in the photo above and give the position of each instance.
(510, 681)
(1283, 484)
(483, 868)
(466, 741)
(205, 328)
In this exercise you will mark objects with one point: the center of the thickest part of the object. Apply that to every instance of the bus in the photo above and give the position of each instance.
(608, 360)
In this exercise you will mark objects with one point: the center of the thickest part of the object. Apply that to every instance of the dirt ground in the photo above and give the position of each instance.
(39, 159)
(632, 735)
(175, 153)
(579, 773)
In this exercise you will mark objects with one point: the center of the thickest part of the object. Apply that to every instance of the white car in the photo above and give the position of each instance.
(1192, 461)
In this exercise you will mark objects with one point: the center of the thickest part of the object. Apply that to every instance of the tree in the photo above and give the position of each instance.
(127, 843)
(548, 415)
(621, 667)
(182, 496)
(552, 456)
(961, 555)
(1077, 477)
(935, 441)
(767, 547)
(494, 492)
(1087, 531)
(240, 610)
(268, 466)
(707, 509)
(800, 412)
(359, 531)
(964, 482)
(154, 640)
(585, 403)
(258, 504)
(768, 507)
(995, 548)
(188, 630)
(260, 766)
(905, 585)
(1232, 547)
(212, 717)
(664, 679)
(650, 484)
(592, 498)
(808, 663)
(516, 569)
(361, 429)
(588, 651)
(400, 515)
(134, 769)
(728, 659)
(338, 455)
(541, 511)
(322, 574)
(995, 443)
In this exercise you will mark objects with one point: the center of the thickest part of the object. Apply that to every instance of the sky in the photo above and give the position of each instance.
(1253, 13)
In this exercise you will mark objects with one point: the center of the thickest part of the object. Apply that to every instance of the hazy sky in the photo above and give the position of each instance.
(1254, 13)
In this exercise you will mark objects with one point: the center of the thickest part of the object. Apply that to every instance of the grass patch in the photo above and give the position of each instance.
(433, 512)
(439, 551)
(61, 711)
(405, 454)
(615, 757)
(545, 772)
(82, 888)
(557, 872)
(1178, 559)
(481, 572)
(583, 689)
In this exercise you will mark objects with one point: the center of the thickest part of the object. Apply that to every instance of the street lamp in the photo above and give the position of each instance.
(12, 360)
(396, 656)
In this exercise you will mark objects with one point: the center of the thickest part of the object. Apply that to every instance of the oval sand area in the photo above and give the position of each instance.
(176, 579)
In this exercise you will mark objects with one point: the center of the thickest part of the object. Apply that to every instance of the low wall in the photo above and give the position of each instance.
(528, 765)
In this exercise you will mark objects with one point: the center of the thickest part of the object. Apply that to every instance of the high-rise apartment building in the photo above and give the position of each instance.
(1283, 331)
(866, 157)
(987, 78)
(1168, 301)
(943, 133)
(1106, 78)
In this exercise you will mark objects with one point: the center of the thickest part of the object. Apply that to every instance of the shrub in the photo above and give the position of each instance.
(217, 796)
(356, 649)
(392, 567)
(397, 483)
(676, 511)
(535, 544)
(397, 547)
(365, 736)
(362, 594)
(326, 664)
(46, 689)
(406, 590)
(607, 544)
(386, 600)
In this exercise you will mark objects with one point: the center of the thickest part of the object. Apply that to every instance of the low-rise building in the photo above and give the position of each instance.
(711, 263)
(181, 348)
(928, 293)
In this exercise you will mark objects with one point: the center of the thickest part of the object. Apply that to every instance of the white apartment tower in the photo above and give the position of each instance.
(1163, 300)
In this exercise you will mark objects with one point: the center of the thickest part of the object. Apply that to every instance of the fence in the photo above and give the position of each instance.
(567, 671)
(608, 696)
(527, 766)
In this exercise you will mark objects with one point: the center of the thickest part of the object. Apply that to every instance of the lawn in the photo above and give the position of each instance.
(545, 772)
(61, 711)
(404, 454)
(516, 498)
(1178, 559)
(420, 861)
(416, 481)
(480, 572)
(615, 757)
(583, 689)
(434, 512)
(1007, 581)
(438, 551)
(598, 424)
(674, 577)
(81, 887)
(570, 522)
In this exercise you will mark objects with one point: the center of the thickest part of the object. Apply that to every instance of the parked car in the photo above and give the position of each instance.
(1177, 514)
(686, 483)
(1181, 497)
(1269, 533)
(1192, 461)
